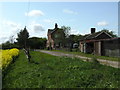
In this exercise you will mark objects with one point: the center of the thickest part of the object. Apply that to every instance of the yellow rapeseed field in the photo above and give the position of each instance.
(6, 57)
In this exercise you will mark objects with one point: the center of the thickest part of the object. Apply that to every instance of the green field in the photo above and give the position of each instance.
(46, 71)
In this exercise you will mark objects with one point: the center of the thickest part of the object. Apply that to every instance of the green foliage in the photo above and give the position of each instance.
(8, 45)
(95, 63)
(66, 30)
(58, 72)
(75, 38)
(37, 43)
(23, 38)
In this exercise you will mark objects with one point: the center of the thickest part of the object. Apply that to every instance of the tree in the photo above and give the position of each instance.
(37, 43)
(8, 45)
(66, 30)
(77, 38)
(23, 38)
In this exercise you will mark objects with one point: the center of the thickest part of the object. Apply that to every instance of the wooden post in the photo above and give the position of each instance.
(99, 47)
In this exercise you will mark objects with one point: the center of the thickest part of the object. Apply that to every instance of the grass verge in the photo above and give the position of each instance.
(47, 71)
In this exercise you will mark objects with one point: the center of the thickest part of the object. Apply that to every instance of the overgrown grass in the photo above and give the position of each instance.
(90, 55)
(47, 71)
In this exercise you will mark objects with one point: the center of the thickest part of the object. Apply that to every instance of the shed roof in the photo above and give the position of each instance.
(94, 35)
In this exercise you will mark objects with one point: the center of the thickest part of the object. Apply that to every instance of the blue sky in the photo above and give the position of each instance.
(40, 16)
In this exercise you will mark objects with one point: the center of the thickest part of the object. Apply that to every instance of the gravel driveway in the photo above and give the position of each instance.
(115, 64)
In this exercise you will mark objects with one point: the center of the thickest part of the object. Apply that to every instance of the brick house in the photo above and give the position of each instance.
(98, 43)
(55, 38)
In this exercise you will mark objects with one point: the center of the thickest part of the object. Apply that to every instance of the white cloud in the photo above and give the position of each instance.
(69, 11)
(74, 31)
(8, 28)
(34, 13)
(10, 23)
(38, 28)
(102, 23)
(3, 38)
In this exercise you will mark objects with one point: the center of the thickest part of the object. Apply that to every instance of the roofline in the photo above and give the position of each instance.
(103, 32)
(96, 35)
(55, 30)
(101, 39)
(87, 36)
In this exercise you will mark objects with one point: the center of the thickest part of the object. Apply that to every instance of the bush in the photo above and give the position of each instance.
(7, 56)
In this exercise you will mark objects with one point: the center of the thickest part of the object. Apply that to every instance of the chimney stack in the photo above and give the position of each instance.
(56, 26)
(92, 30)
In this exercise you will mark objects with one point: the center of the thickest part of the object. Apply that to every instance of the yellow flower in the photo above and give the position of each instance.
(6, 57)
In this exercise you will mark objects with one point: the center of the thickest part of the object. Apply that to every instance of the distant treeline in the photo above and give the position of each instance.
(33, 43)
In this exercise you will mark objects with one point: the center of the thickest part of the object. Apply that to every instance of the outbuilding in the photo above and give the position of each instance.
(100, 43)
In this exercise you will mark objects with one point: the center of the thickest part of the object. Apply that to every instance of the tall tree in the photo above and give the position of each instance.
(23, 38)
(66, 30)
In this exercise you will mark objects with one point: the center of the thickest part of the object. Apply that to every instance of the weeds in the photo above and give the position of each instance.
(95, 63)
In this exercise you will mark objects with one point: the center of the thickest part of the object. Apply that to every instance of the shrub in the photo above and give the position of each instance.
(7, 56)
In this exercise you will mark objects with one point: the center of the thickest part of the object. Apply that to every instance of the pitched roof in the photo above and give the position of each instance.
(50, 30)
(84, 37)
(94, 35)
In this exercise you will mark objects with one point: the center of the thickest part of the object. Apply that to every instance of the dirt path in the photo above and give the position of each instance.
(115, 64)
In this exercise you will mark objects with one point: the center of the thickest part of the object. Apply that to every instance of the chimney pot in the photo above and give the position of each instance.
(92, 30)
(56, 26)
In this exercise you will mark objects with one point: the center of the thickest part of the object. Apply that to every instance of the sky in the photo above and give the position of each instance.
(38, 17)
